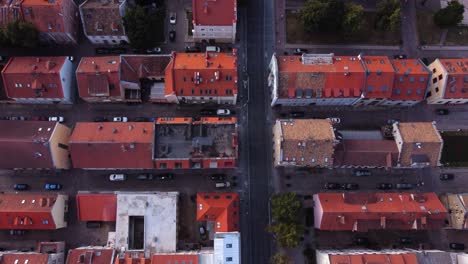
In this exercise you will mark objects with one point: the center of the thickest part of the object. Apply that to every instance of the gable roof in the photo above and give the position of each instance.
(214, 13)
(379, 76)
(99, 77)
(24, 257)
(457, 83)
(102, 18)
(135, 67)
(407, 258)
(222, 208)
(96, 207)
(411, 80)
(91, 255)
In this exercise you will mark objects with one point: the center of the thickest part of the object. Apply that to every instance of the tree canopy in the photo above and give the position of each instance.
(285, 207)
(20, 34)
(287, 234)
(388, 15)
(144, 26)
(352, 20)
(449, 16)
(281, 259)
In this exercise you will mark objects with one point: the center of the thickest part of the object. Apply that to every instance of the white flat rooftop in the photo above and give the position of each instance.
(159, 211)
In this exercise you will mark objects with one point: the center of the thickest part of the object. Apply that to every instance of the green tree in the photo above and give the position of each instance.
(353, 18)
(322, 15)
(21, 34)
(279, 258)
(285, 207)
(144, 27)
(388, 15)
(449, 16)
(287, 234)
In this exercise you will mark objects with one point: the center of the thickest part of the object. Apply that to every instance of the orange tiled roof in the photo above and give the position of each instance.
(214, 13)
(222, 208)
(96, 206)
(91, 255)
(411, 79)
(99, 77)
(407, 258)
(102, 18)
(202, 74)
(379, 76)
(366, 211)
(457, 83)
(50, 15)
(26, 257)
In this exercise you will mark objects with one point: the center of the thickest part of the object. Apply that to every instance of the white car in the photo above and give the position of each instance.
(118, 177)
(223, 112)
(120, 119)
(59, 119)
(334, 120)
(173, 18)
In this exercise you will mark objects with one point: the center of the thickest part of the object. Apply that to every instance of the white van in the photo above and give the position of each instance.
(117, 177)
(220, 185)
(213, 49)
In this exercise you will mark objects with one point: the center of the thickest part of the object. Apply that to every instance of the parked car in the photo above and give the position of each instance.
(155, 50)
(218, 177)
(21, 186)
(53, 186)
(206, 112)
(221, 185)
(361, 241)
(404, 186)
(172, 35)
(145, 176)
(457, 246)
(141, 119)
(59, 119)
(446, 176)
(93, 224)
(223, 112)
(14, 232)
(100, 119)
(299, 51)
(442, 111)
(297, 114)
(349, 186)
(120, 119)
(400, 57)
(384, 186)
(118, 177)
(360, 173)
(392, 121)
(332, 186)
(173, 18)
(165, 177)
(406, 240)
(192, 49)
(334, 120)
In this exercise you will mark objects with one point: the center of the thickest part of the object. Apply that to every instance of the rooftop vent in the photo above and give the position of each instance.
(130, 127)
(114, 130)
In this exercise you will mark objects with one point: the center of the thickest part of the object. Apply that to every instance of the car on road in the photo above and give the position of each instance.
(155, 50)
(165, 177)
(350, 186)
(446, 176)
(299, 51)
(173, 18)
(120, 119)
(220, 185)
(59, 119)
(118, 177)
(20, 187)
(172, 35)
(218, 177)
(442, 111)
(361, 173)
(332, 186)
(145, 176)
(334, 120)
(404, 186)
(192, 49)
(15, 232)
(400, 57)
(223, 112)
(206, 112)
(53, 186)
(297, 114)
(457, 246)
(141, 119)
(384, 186)
(406, 240)
(100, 119)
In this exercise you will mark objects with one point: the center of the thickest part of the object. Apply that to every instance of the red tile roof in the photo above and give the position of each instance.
(222, 208)
(33, 77)
(160, 258)
(457, 79)
(214, 12)
(51, 15)
(27, 211)
(102, 18)
(98, 77)
(10, 11)
(26, 257)
(96, 207)
(407, 258)
(366, 211)
(411, 80)
(112, 145)
(132, 258)
(135, 67)
(335, 76)
(91, 255)
(203, 74)
(379, 76)
(372, 153)
(23, 142)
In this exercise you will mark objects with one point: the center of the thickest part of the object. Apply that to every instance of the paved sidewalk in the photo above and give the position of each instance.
(341, 46)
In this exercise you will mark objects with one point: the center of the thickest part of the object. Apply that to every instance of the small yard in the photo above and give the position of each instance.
(429, 33)
(457, 36)
(368, 35)
(455, 151)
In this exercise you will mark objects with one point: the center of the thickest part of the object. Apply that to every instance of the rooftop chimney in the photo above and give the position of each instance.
(114, 131)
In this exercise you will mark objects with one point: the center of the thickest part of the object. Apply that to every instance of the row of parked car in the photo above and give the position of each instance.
(60, 119)
(47, 186)
(364, 241)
